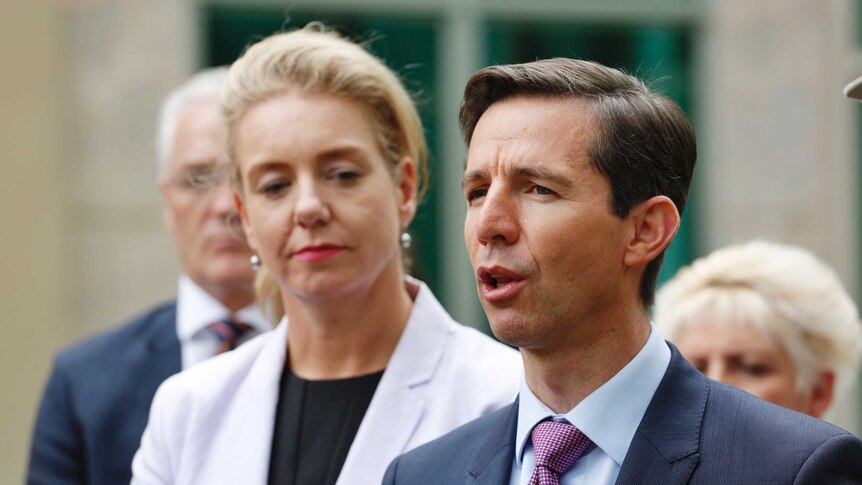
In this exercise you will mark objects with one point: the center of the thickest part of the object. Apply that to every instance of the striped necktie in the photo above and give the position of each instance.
(228, 332)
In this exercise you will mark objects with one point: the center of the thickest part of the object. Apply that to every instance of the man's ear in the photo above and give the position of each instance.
(407, 180)
(167, 211)
(656, 221)
(243, 217)
(822, 393)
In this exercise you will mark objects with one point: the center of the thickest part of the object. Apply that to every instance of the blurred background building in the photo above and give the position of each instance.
(83, 246)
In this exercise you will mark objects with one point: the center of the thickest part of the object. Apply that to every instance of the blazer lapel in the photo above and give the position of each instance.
(246, 436)
(665, 446)
(492, 464)
(395, 411)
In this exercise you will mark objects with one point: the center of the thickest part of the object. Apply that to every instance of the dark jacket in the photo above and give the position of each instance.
(694, 431)
(95, 405)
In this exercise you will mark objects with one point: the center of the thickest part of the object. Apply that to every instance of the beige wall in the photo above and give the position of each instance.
(122, 58)
(82, 241)
(33, 268)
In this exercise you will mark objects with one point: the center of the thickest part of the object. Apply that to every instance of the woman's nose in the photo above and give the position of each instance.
(716, 372)
(311, 208)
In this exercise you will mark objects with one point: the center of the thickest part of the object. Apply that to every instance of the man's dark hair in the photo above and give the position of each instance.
(645, 145)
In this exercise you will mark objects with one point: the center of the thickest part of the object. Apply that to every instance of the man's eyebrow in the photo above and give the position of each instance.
(540, 173)
(471, 177)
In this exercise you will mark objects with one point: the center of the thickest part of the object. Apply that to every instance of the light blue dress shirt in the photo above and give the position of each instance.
(609, 417)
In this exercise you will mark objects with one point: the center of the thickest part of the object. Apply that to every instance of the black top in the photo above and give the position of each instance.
(315, 423)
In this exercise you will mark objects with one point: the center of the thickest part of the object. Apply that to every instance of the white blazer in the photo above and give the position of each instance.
(213, 423)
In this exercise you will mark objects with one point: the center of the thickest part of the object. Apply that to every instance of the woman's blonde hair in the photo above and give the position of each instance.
(783, 290)
(317, 60)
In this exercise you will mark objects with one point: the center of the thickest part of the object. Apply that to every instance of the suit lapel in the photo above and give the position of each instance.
(492, 464)
(151, 355)
(395, 412)
(162, 346)
(665, 446)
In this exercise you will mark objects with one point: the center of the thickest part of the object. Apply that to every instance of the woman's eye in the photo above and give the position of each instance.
(274, 187)
(347, 175)
(754, 369)
(342, 174)
(699, 364)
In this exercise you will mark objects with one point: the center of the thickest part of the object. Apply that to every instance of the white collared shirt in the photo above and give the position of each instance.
(609, 417)
(196, 310)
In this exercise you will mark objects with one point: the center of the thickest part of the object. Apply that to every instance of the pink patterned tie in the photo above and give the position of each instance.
(228, 333)
(557, 447)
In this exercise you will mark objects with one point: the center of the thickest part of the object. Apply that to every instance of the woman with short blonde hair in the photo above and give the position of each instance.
(769, 318)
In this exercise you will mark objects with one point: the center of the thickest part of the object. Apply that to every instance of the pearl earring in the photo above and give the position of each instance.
(254, 261)
(406, 240)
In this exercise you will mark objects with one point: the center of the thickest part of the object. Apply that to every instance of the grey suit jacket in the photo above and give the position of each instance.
(694, 431)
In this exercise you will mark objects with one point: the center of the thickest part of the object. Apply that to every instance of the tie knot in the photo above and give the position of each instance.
(228, 332)
(558, 445)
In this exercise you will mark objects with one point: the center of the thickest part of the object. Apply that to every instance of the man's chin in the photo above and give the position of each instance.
(231, 274)
(511, 329)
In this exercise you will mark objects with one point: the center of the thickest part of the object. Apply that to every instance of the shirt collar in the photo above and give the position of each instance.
(197, 309)
(610, 415)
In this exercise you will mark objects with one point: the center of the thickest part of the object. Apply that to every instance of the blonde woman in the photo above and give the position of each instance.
(328, 154)
(768, 318)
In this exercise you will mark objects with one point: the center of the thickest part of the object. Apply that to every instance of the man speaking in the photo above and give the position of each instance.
(575, 179)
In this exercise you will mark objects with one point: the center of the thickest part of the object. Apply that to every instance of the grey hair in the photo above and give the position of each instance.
(783, 290)
(205, 84)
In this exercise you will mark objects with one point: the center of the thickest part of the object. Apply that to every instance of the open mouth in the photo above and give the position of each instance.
(497, 277)
(495, 280)
(499, 286)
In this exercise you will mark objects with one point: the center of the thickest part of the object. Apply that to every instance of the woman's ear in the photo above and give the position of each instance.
(655, 222)
(407, 181)
(243, 217)
(822, 393)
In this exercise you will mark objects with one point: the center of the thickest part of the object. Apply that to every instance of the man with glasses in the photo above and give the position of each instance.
(96, 402)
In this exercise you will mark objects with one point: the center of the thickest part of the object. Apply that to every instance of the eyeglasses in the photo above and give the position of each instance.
(201, 178)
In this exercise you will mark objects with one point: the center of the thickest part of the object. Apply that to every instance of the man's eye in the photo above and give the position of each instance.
(540, 190)
(476, 194)
(201, 178)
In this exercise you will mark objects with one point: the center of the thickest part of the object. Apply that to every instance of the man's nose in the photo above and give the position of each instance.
(221, 198)
(311, 207)
(497, 218)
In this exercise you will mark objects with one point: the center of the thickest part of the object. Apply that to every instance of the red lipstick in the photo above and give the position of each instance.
(318, 252)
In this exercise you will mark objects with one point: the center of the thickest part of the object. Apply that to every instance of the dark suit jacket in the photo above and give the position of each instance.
(694, 431)
(97, 400)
